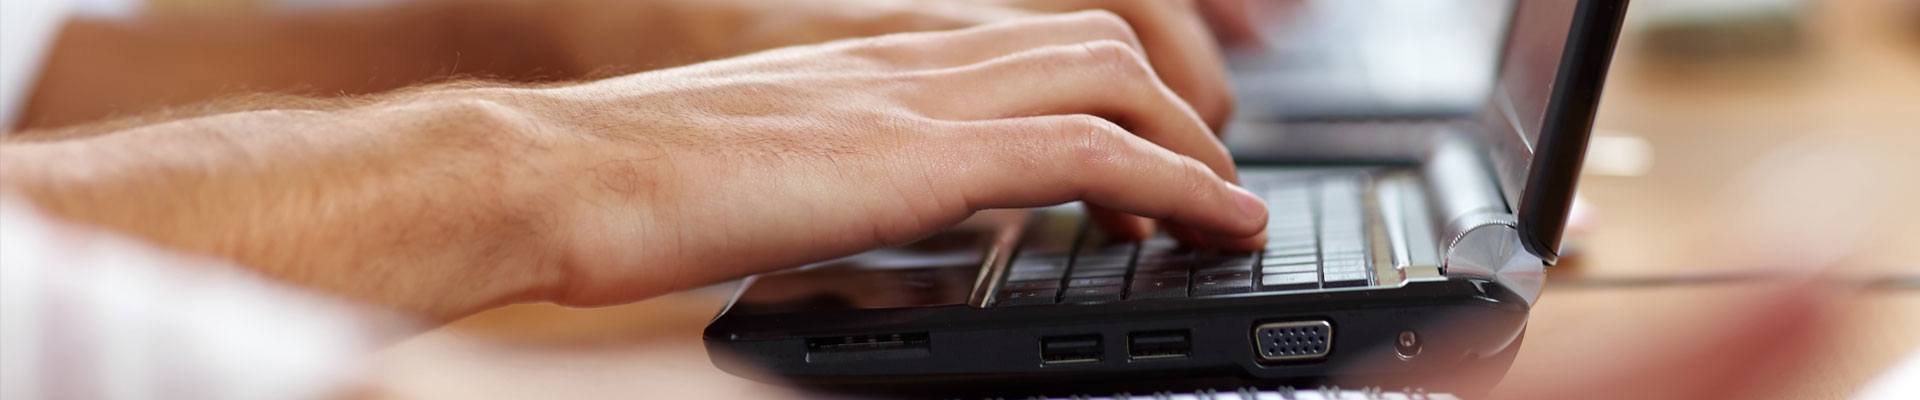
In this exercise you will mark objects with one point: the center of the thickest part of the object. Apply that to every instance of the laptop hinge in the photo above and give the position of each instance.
(1479, 236)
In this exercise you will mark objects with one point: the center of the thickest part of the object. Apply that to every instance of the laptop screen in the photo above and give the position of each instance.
(1540, 111)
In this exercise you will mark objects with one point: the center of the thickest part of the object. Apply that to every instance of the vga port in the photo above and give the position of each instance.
(1293, 340)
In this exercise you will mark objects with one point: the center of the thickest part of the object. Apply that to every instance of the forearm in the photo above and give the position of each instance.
(107, 67)
(122, 66)
(350, 201)
(446, 201)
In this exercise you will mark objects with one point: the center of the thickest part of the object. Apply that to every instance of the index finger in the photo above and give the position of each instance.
(1038, 161)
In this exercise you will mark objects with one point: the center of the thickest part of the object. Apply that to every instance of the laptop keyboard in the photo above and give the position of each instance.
(1316, 240)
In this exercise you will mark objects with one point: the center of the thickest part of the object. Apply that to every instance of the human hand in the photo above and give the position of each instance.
(682, 177)
(443, 201)
(620, 37)
(1178, 43)
(1232, 20)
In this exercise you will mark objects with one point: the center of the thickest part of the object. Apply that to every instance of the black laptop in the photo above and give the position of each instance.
(1420, 259)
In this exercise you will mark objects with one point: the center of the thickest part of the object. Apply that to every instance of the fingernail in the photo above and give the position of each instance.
(1142, 228)
(1251, 207)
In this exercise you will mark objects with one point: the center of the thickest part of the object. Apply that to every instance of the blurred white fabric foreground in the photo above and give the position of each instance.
(1901, 382)
(89, 314)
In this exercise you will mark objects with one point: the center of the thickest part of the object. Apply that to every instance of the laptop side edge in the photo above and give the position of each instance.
(1540, 115)
(1548, 196)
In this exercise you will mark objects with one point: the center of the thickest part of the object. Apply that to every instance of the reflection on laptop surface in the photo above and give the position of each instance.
(1367, 59)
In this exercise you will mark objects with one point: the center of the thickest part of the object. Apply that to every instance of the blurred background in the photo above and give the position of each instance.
(1737, 139)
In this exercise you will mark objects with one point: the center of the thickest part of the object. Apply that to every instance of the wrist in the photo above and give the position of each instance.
(606, 181)
(505, 151)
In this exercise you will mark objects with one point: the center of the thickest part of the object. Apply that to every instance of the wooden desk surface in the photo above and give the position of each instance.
(1804, 159)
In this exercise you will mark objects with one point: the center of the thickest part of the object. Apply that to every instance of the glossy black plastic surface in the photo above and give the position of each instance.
(1555, 172)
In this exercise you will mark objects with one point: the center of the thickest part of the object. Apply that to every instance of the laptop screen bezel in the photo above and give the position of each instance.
(1553, 172)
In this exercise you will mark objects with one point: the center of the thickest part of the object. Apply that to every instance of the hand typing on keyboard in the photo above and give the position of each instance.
(1315, 241)
(448, 200)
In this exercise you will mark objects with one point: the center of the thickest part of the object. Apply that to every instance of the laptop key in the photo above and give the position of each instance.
(1292, 242)
(1028, 297)
(1226, 259)
(1097, 294)
(1223, 275)
(1181, 273)
(1291, 235)
(1219, 287)
(1090, 282)
(1289, 269)
(1344, 254)
(1024, 285)
(1110, 250)
(1097, 273)
(1306, 250)
(1223, 271)
(1100, 262)
(1346, 279)
(1305, 259)
(1344, 272)
(1219, 269)
(1222, 283)
(1290, 281)
(1158, 288)
(1035, 276)
(1039, 265)
(1164, 262)
(1336, 247)
(1345, 265)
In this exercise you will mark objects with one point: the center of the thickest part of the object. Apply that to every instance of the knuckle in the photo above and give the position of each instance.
(1199, 171)
(1110, 50)
(886, 48)
(1092, 143)
(1117, 57)
(1106, 22)
(1199, 178)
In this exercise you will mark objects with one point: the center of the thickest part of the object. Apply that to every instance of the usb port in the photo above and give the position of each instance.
(1159, 345)
(1076, 349)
